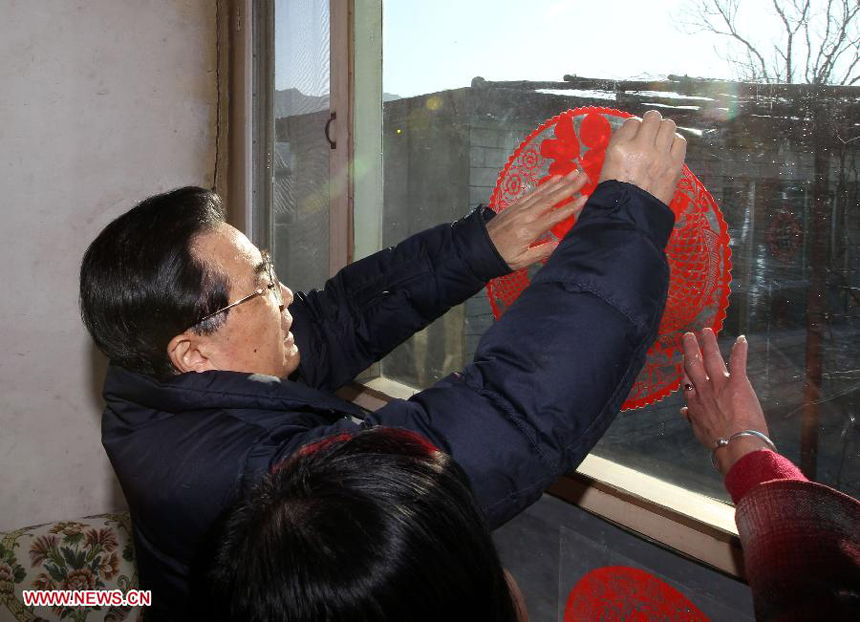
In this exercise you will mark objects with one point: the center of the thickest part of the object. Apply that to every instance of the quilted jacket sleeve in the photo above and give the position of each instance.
(373, 305)
(549, 377)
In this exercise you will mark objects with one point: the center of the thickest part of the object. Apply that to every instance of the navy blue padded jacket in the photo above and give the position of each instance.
(544, 385)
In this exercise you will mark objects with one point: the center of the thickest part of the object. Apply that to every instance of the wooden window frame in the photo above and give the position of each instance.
(689, 523)
(250, 65)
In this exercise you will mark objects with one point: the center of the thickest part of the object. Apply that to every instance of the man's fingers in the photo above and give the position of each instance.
(562, 191)
(554, 216)
(693, 366)
(738, 357)
(560, 181)
(666, 135)
(628, 130)
(577, 180)
(578, 204)
(562, 185)
(544, 208)
(570, 184)
(679, 148)
(650, 126)
(715, 367)
(534, 195)
(523, 222)
(573, 206)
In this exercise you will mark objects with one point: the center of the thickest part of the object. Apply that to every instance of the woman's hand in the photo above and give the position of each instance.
(720, 401)
(517, 227)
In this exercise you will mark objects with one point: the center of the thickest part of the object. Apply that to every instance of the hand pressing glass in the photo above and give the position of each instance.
(646, 153)
(515, 229)
(721, 401)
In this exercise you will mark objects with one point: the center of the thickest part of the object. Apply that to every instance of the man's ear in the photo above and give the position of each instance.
(190, 352)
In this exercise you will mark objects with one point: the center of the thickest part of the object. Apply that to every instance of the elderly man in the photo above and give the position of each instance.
(219, 372)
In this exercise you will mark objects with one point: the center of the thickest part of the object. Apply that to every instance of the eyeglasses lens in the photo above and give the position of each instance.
(273, 279)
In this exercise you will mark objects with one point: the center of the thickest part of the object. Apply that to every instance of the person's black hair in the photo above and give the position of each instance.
(379, 526)
(141, 285)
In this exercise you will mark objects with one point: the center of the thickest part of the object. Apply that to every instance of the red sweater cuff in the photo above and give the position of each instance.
(756, 468)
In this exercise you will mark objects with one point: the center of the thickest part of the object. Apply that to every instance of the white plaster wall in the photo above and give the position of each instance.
(102, 103)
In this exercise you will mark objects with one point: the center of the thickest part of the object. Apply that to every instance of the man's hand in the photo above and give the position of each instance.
(720, 403)
(646, 153)
(515, 229)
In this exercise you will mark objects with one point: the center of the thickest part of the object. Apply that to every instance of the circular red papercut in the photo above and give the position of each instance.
(625, 594)
(698, 249)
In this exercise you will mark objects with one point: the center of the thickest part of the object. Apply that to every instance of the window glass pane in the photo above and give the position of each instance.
(300, 158)
(465, 83)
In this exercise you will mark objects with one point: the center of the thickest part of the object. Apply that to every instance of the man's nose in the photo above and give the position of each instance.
(287, 295)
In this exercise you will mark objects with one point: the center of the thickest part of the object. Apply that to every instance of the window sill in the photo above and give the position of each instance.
(690, 523)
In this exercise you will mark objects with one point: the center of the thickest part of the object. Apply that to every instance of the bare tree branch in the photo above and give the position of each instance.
(808, 52)
(837, 44)
(849, 70)
(786, 56)
(728, 13)
(829, 36)
(825, 40)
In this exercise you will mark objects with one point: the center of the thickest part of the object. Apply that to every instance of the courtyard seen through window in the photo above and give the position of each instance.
(772, 134)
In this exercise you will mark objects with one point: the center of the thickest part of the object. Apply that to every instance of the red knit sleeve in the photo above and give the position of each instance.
(758, 467)
(801, 543)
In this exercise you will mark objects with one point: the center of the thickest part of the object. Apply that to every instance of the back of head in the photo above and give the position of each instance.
(140, 283)
(378, 526)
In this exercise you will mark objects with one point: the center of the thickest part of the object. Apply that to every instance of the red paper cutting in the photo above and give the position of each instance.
(698, 249)
(625, 594)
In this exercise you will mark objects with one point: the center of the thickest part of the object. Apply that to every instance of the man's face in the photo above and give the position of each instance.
(256, 336)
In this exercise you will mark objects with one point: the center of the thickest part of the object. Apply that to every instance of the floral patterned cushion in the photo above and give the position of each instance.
(85, 554)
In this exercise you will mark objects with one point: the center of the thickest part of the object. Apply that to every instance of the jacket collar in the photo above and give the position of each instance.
(219, 390)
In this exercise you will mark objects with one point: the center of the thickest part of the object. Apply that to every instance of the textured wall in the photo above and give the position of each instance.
(102, 103)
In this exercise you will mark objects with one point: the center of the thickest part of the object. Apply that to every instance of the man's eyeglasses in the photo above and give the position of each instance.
(274, 285)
